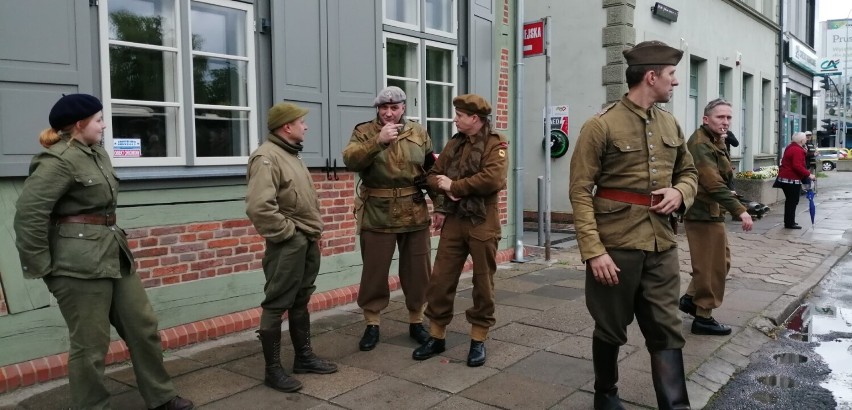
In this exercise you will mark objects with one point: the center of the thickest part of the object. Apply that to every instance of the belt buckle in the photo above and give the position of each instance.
(656, 199)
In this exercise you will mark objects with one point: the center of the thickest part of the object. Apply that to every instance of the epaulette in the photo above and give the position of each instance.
(362, 123)
(605, 109)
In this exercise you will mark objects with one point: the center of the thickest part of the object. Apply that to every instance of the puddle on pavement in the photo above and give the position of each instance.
(831, 326)
(783, 382)
(789, 358)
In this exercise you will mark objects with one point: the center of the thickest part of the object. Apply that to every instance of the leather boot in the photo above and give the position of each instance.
(370, 339)
(417, 332)
(275, 376)
(176, 403)
(605, 361)
(305, 361)
(709, 326)
(686, 305)
(476, 355)
(430, 348)
(669, 379)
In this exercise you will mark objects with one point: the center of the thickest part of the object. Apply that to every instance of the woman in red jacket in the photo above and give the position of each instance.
(790, 175)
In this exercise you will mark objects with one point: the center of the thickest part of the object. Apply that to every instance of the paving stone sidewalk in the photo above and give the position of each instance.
(539, 353)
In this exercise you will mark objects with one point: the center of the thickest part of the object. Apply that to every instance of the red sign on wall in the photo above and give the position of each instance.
(534, 38)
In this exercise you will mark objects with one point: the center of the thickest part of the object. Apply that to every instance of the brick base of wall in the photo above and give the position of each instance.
(52, 367)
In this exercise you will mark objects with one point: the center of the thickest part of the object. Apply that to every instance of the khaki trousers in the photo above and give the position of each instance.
(458, 240)
(711, 261)
(415, 265)
(89, 306)
(648, 287)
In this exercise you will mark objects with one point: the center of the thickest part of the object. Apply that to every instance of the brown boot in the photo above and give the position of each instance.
(305, 361)
(275, 375)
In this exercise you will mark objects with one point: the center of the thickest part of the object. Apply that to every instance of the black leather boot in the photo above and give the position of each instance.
(476, 355)
(275, 376)
(686, 305)
(669, 379)
(176, 403)
(305, 361)
(709, 326)
(430, 348)
(605, 361)
(417, 332)
(370, 338)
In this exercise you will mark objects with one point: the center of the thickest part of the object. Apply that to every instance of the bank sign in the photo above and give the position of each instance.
(803, 56)
(837, 38)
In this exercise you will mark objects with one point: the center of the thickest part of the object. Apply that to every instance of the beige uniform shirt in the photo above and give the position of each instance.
(631, 149)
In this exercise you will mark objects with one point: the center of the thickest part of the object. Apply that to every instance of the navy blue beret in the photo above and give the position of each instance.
(72, 108)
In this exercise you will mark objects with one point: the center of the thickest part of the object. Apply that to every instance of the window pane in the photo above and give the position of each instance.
(438, 101)
(402, 59)
(439, 65)
(140, 74)
(410, 88)
(219, 81)
(221, 133)
(155, 128)
(440, 132)
(439, 14)
(218, 29)
(403, 11)
(142, 21)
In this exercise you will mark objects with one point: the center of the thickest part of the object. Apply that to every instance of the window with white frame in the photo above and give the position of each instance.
(178, 94)
(423, 61)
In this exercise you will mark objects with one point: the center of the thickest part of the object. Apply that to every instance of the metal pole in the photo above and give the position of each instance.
(781, 117)
(841, 143)
(518, 171)
(541, 207)
(547, 159)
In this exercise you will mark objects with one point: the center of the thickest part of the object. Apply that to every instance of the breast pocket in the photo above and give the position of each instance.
(625, 146)
(80, 247)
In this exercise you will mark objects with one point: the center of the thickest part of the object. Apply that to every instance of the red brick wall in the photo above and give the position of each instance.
(502, 119)
(506, 12)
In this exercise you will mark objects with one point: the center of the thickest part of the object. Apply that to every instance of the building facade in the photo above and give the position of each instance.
(730, 51)
(186, 85)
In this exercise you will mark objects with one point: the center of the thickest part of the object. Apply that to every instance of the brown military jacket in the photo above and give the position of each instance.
(714, 173)
(486, 182)
(627, 148)
(393, 166)
(281, 197)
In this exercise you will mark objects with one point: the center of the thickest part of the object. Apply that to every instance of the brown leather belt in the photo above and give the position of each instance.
(390, 192)
(629, 197)
(89, 219)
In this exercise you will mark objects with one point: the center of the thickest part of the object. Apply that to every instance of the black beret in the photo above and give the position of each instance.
(72, 108)
(652, 53)
(472, 104)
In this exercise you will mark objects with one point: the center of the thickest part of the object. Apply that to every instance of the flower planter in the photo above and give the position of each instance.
(844, 165)
(759, 190)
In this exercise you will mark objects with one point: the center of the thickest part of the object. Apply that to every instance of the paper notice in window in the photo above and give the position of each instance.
(127, 148)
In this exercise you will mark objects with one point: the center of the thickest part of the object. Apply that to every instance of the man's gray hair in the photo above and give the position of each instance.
(713, 104)
(799, 137)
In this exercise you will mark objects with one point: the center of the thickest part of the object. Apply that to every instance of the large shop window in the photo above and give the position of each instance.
(423, 61)
(181, 84)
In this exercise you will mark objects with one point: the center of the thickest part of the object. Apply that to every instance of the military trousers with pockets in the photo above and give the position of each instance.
(711, 261)
(415, 265)
(291, 268)
(460, 238)
(648, 288)
(89, 306)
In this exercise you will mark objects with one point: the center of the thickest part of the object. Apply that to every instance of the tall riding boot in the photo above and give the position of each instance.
(669, 379)
(305, 361)
(605, 360)
(275, 375)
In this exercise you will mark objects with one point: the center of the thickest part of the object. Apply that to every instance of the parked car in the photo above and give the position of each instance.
(827, 157)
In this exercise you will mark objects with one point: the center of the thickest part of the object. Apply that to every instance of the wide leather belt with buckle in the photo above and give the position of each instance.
(89, 219)
(391, 192)
(629, 197)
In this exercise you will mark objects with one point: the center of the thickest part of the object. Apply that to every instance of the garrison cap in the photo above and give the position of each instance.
(389, 95)
(284, 113)
(72, 108)
(652, 53)
(472, 104)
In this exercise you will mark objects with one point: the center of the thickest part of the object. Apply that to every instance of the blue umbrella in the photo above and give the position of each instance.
(811, 207)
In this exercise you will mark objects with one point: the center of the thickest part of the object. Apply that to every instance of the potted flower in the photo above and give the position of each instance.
(844, 163)
(756, 185)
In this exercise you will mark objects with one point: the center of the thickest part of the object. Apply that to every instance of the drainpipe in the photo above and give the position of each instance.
(781, 85)
(518, 170)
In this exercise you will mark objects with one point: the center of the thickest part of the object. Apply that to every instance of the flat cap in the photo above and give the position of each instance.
(72, 108)
(284, 113)
(389, 95)
(652, 53)
(808, 133)
(472, 104)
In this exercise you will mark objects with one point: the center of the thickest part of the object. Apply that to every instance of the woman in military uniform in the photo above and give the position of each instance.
(67, 236)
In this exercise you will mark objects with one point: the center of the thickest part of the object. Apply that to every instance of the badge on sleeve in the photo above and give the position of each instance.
(503, 147)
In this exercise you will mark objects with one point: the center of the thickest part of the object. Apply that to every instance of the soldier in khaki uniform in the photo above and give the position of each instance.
(67, 235)
(629, 172)
(391, 156)
(282, 204)
(705, 220)
(470, 173)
